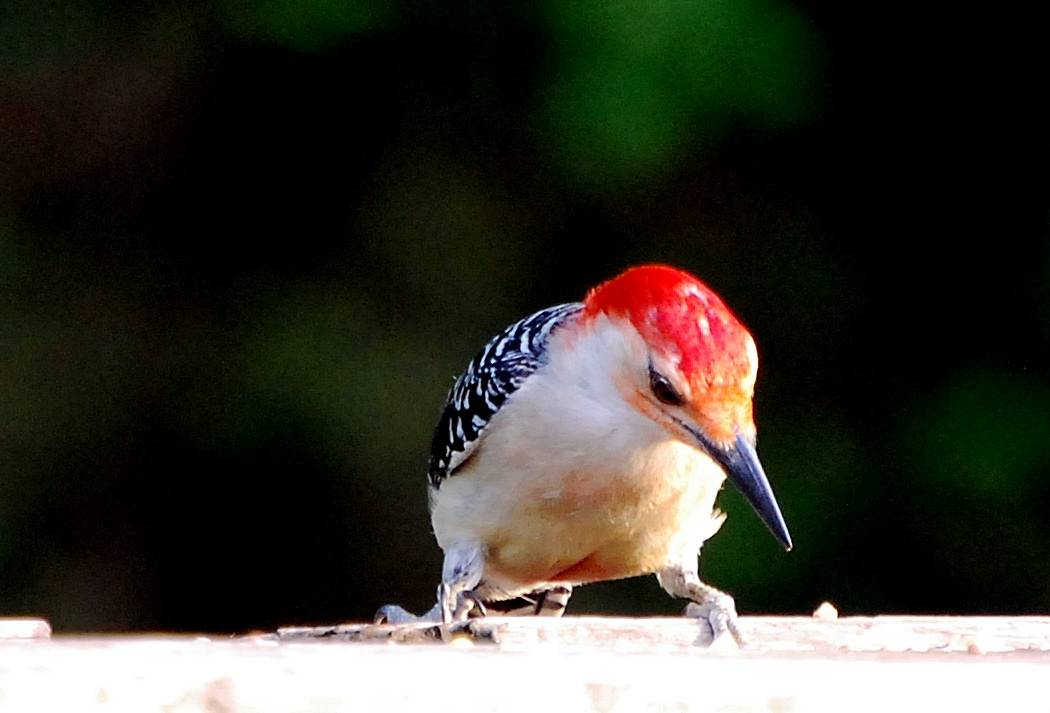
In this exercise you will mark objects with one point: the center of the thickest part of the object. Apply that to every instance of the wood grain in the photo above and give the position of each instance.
(570, 664)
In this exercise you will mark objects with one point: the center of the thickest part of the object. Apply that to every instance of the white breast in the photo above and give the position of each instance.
(571, 483)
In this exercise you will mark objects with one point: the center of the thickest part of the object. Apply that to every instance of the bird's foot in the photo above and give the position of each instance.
(394, 614)
(468, 606)
(717, 617)
(452, 608)
(713, 608)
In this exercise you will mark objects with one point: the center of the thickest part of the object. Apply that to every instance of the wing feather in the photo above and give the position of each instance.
(492, 376)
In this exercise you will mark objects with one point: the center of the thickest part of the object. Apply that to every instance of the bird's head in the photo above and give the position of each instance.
(698, 375)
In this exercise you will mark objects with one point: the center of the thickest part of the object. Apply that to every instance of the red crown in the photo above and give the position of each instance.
(684, 319)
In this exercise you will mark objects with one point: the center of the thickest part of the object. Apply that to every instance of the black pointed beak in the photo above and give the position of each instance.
(741, 464)
(745, 472)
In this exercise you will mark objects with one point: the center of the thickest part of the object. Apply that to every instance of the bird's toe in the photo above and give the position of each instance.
(717, 617)
(394, 614)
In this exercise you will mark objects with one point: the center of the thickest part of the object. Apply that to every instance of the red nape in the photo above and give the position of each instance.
(680, 315)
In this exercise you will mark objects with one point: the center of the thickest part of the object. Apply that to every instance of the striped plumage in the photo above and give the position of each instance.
(496, 372)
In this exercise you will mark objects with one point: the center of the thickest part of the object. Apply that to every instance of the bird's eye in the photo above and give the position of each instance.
(663, 390)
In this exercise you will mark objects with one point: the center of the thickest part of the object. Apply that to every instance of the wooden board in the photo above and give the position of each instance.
(539, 665)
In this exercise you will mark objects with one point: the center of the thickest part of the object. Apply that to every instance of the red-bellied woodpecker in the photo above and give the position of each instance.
(587, 442)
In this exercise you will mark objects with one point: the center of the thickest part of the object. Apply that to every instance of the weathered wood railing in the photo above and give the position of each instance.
(884, 663)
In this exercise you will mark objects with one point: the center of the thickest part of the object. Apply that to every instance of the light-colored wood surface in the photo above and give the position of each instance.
(24, 628)
(541, 665)
(763, 635)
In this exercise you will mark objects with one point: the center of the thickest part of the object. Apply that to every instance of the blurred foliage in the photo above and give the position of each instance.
(41, 32)
(245, 248)
(986, 435)
(306, 25)
(635, 87)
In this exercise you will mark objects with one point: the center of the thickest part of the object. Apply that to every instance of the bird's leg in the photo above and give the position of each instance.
(713, 607)
(552, 602)
(464, 565)
(455, 598)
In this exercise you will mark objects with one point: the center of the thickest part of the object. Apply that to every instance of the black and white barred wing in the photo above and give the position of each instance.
(492, 376)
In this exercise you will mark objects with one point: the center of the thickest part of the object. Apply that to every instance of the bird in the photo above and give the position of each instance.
(587, 442)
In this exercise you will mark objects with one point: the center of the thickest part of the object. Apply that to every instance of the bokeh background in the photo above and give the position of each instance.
(246, 246)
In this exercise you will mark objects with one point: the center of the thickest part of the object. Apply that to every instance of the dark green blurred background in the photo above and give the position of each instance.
(244, 248)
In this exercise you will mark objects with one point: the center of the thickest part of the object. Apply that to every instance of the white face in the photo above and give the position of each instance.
(613, 366)
(648, 382)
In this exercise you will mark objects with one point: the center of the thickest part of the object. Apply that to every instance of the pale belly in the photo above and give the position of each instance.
(583, 526)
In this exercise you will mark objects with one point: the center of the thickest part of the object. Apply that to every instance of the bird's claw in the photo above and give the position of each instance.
(470, 605)
(462, 606)
(393, 614)
(717, 616)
